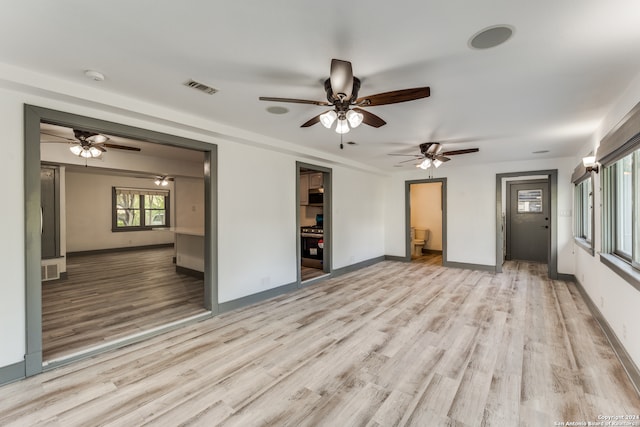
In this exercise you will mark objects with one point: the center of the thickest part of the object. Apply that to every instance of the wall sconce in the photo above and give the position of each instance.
(590, 164)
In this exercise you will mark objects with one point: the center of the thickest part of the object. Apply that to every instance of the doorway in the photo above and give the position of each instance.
(426, 220)
(313, 224)
(527, 220)
(502, 180)
(34, 116)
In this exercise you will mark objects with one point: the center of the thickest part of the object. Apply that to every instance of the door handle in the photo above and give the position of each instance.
(544, 226)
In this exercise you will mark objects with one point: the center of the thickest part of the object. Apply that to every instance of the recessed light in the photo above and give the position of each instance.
(276, 109)
(491, 37)
(540, 152)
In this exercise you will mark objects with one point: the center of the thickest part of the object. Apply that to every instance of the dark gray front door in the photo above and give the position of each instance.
(528, 220)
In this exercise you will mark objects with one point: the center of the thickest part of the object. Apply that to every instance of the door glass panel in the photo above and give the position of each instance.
(530, 201)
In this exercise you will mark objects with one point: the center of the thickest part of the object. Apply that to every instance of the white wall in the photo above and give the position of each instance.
(426, 212)
(12, 290)
(88, 207)
(358, 216)
(188, 202)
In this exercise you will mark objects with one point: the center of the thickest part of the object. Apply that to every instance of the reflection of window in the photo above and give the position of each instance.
(530, 201)
(137, 209)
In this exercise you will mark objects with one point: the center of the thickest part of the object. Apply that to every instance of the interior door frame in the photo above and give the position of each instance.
(407, 212)
(33, 116)
(327, 266)
(552, 177)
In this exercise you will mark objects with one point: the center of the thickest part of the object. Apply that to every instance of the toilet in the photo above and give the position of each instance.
(419, 239)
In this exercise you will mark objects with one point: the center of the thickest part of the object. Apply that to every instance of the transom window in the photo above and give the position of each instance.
(139, 209)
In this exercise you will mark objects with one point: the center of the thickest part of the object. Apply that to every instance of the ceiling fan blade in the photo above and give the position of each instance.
(117, 146)
(411, 160)
(296, 101)
(394, 97)
(341, 79)
(418, 156)
(464, 151)
(57, 136)
(312, 121)
(370, 118)
(441, 158)
(99, 147)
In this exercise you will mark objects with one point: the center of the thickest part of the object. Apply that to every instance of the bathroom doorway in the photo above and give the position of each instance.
(426, 220)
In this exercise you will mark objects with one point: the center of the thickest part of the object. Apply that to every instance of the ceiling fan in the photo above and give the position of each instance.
(342, 94)
(431, 155)
(89, 144)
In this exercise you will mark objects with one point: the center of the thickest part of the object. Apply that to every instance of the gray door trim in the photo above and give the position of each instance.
(407, 215)
(552, 176)
(33, 115)
(326, 213)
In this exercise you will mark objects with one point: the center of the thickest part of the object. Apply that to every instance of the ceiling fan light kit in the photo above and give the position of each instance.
(86, 152)
(162, 181)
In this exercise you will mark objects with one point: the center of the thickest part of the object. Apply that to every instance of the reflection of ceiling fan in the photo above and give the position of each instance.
(89, 144)
(432, 155)
(342, 94)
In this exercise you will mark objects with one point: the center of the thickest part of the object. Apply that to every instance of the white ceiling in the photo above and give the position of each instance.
(547, 88)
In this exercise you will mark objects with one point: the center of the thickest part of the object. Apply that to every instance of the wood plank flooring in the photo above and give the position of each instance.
(114, 295)
(413, 344)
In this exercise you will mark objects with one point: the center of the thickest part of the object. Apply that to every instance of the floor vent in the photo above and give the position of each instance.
(201, 87)
(50, 272)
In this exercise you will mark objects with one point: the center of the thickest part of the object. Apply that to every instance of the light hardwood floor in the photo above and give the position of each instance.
(392, 344)
(113, 295)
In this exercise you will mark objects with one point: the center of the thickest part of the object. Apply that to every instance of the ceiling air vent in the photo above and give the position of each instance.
(202, 87)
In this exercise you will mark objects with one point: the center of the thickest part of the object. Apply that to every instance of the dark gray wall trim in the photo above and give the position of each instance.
(33, 116)
(629, 366)
(12, 373)
(567, 277)
(115, 250)
(357, 266)
(255, 298)
(467, 266)
(397, 258)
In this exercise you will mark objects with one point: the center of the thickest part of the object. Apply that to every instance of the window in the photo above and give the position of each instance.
(530, 201)
(139, 209)
(584, 210)
(619, 157)
(621, 195)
